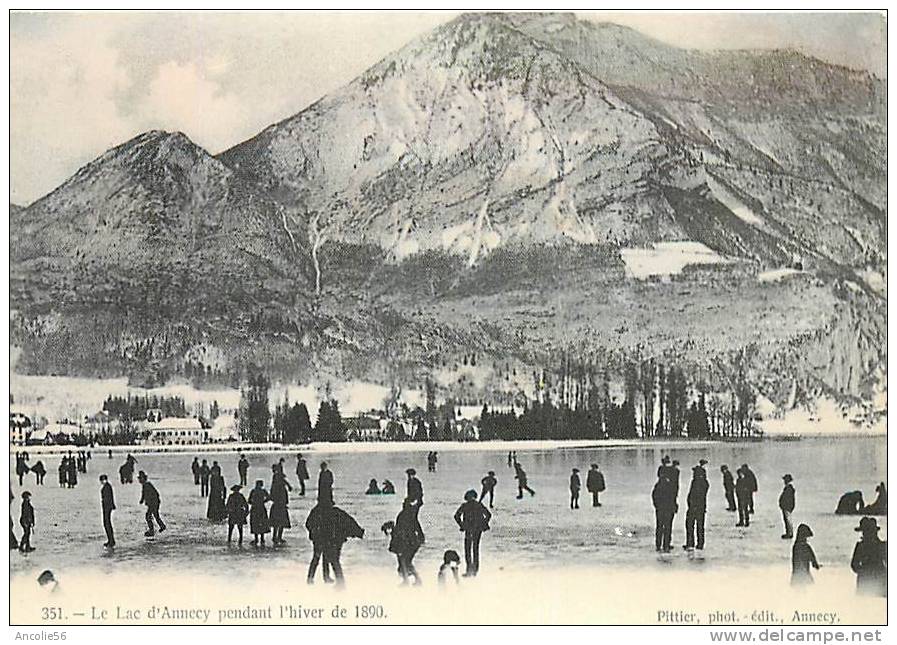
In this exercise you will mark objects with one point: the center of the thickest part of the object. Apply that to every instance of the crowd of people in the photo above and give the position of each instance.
(266, 511)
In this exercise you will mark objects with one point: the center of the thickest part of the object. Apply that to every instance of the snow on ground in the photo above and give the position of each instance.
(828, 419)
(730, 201)
(668, 258)
(776, 275)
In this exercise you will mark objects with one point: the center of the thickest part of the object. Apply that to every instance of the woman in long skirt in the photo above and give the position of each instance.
(280, 499)
(217, 493)
(258, 514)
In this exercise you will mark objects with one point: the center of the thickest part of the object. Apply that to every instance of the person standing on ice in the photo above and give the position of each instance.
(204, 473)
(406, 539)
(752, 486)
(869, 561)
(489, 483)
(242, 468)
(663, 497)
(575, 487)
(325, 484)
(301, 473)
(473, 519)
(194, 468)
(237, 510)
(697, 509)
(743, 495)
(259, 524)
(728, 487)
(150, 496)
(786, 505)
(26, 521)
(595, 484)
(107, 503)
(415, 488)
(522, 485)
(802, 557)
(432, 460)
(39, 473)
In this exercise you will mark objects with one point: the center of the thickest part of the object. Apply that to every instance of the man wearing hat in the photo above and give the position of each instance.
(107, 502)
(26, 521)
(237, 511)
(325, 485)
(473, 519)
(415, 488)
(786, 504)
(697, 509)
(870, 560)
(595, 484)
(489, 483)
(728, 488)
(701, 464)
(575, 486)
(150, 496)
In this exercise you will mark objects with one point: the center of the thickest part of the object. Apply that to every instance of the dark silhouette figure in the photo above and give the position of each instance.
(373, 488)
(663, 497)
(194, 468)
(851, 504)
(450, 562)
(150, 496)
(752, 486)
(802, 558)
(71, 478)
(280, 500)
(13, 540)
(301, 473)
(126, 472)
(786, 505)
(325, 484)
(520, 476)
(489, 483)
(216, 511)
(259, 524)
(743, 496)
(878, 507)
(242, 468)
(415, 488)
(388, 487)
(39, 473)
(575, 487)
(237, 511)
(107, 503)
(870, 560)
(26, 521)
(407, 537)
(330, 526)
(729, 488)
(432, 460)
(697, 509)
(316, 525)
(64, 472)
(21, 468)
(473, 519)
(595, 484)
(205, 474)
(510, 459)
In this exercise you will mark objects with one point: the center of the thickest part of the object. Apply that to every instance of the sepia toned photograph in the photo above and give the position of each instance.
(448, 318)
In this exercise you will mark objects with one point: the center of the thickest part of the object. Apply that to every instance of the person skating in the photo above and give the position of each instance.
(373, 488)
(317, 526)
(26, 521)
(301, 473)
(489, 483)
(802, 558)
(243, 468)
(406, 539)
(575, 486)
(752, 485)
(194, 468)
(107, 504)
(325, 484)
(216, 511)
(743, 497)
(870, 560)
(473, 520)
(595, 484)
(205, 474)
(39, 472)
(786, 505)
(414, 488)
(237, 510)
(663, 497)
(340, 527)
(728, 488)
(280, 500)
(150, 496)
(697, 509)
(259, 524)
(520, 476)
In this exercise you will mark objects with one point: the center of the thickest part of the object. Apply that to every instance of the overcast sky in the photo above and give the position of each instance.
(82, 83)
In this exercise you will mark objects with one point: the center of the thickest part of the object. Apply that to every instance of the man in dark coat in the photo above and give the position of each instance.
(316, 524)
(697, 509)
(107, 502)
(489, 483)
(26, 521)
(301, 472)
(575, 487)
(663, 496)
(325, 484)
(743, 495)
(786, 505)
(328, 529)
(243, 468)
(415, 488)
(728, 487)
(204, 474)
(237, 509)
(473, 519)
(870, 560)
(150, 496)
(752, 486)
(194, 468)
(595, 484)
(39, 472)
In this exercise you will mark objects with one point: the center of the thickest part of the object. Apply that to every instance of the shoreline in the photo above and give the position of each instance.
(444, 446)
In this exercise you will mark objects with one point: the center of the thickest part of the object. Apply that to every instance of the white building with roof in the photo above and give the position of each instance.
(174, 431)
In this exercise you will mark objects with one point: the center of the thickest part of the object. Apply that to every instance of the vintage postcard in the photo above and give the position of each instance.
(449, 318)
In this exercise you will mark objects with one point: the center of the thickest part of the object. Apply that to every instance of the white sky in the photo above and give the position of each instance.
(82, 83)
